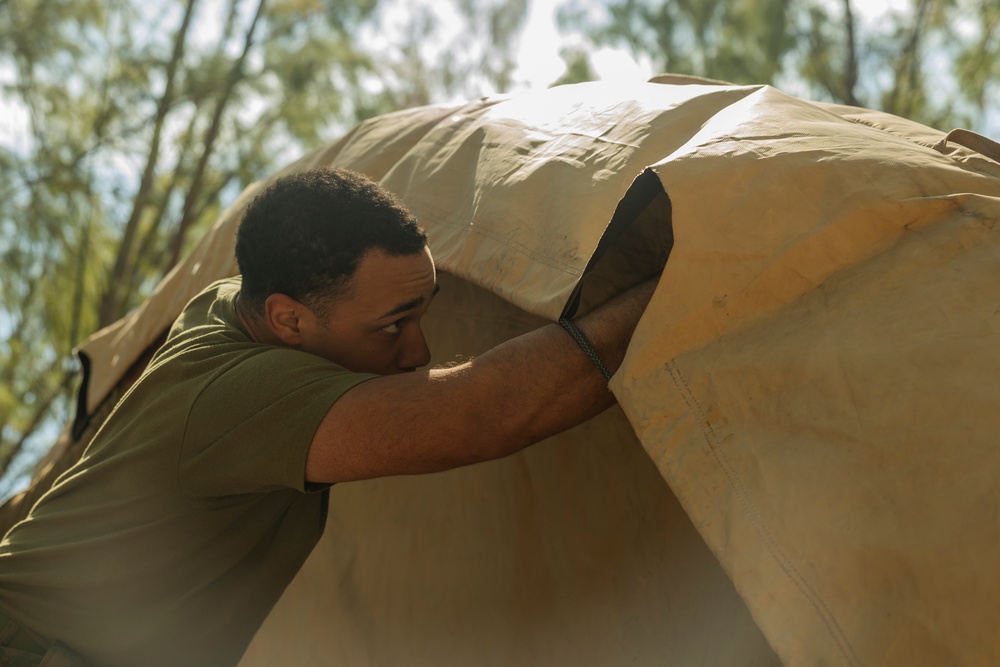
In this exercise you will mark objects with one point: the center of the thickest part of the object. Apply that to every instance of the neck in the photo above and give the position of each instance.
(258, 330)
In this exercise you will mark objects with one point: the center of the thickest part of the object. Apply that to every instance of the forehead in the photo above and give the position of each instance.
(383, 282)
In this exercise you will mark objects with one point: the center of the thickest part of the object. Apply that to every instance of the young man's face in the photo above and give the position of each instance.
(375, 328)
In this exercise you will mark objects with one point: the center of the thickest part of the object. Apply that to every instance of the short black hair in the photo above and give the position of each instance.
(304, 234)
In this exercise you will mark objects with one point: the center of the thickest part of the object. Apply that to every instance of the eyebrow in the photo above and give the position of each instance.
(410, 305)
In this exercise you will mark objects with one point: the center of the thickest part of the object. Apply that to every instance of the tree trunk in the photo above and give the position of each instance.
(109, 310)
(190, 202)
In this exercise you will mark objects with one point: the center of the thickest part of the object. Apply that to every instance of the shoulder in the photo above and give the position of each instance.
(216, 304)
(209, 319)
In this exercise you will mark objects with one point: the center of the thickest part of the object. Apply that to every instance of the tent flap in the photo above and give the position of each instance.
(817, 380)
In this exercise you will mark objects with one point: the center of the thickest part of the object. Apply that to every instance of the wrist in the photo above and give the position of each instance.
(586, 346)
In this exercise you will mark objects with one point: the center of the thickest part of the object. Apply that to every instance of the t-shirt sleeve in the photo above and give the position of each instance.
(250, 429)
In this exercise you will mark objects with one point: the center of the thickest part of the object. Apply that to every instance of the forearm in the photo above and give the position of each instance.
(550, 384)
(520, 392)
(610, 327)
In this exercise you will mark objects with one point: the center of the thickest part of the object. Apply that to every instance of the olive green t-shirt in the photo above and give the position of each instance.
(172, 538)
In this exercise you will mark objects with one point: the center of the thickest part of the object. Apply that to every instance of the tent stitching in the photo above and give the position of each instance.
(756, 520)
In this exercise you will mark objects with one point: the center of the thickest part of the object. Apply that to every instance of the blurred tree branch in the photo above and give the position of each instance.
(111, 301)
(233, 77)
(851, 47)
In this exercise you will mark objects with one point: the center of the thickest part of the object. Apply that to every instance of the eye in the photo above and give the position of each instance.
(392, 328)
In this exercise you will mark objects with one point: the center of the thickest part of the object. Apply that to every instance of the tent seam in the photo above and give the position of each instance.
(965, 164)
(756, 520)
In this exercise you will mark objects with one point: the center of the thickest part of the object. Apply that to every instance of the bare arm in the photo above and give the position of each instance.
(520, 392)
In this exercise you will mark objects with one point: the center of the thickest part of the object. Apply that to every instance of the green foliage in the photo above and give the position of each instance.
(934, 61)
(977, 61)
(448, 51)
(742, 41)
(578, 67)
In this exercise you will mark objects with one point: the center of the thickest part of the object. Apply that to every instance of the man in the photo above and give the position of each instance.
(204, 492)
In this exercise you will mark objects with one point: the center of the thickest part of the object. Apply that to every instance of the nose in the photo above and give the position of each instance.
(415, 352)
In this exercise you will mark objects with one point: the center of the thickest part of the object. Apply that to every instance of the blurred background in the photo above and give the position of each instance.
(127, 126)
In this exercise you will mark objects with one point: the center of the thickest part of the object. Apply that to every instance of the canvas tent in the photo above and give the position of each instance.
(803, 468)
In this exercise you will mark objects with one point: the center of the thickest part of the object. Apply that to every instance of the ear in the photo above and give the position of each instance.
(286, 318)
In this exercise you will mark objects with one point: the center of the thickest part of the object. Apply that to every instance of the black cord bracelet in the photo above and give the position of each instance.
(585, 345)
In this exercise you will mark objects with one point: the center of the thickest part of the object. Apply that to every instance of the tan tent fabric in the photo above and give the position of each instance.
(515, 193)
(815, 380)
(824, 355)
